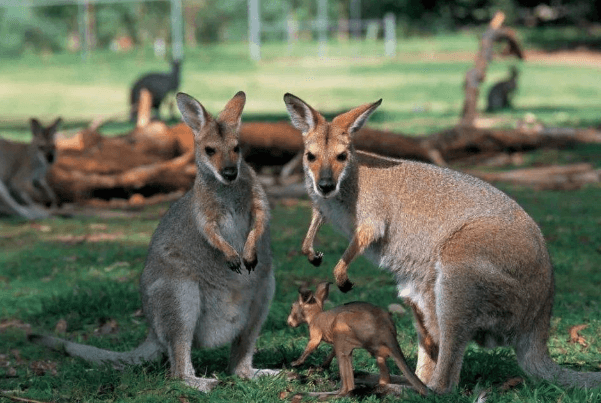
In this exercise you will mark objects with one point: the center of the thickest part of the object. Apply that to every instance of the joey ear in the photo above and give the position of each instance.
(302, 116)
(305, 295)
(322, 292)
(232, 112)
(36, 126)
(193, 113)
(354, 119)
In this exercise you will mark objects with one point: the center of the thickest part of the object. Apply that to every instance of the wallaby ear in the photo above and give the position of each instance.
(302, 116)
(53, 127)
(232, 112)
(193, 113)
(36, 127)
(322, 292)
(354, 120)
(305, 295)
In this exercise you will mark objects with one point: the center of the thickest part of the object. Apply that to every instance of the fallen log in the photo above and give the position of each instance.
(171, 175)
(159, 159)
(465, 141)
(557, 177)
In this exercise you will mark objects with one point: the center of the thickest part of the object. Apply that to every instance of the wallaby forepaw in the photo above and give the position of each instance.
(316, 259)
(250, 264)
(235, 264)
(346, 286)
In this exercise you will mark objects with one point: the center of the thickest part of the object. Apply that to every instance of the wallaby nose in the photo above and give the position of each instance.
(326, 185)
(229, 173)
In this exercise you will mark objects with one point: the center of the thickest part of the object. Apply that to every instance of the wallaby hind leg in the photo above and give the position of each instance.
(175, 317)
(345, 366)
(427, 353)
(456, 321)
(384, 373)
(243, 345)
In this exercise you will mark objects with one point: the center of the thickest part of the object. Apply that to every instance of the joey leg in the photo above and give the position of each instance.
(345, 366)
(384, 373)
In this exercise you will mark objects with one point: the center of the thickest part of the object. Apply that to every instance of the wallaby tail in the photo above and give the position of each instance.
(533, 357)
(399, 359)
(149, 350)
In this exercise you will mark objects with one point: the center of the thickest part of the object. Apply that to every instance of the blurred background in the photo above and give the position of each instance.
(79, 59)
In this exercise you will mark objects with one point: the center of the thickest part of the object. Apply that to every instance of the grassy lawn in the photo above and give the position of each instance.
(84, 270)
(422, 87)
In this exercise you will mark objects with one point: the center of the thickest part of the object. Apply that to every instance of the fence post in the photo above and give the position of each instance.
(355, 18)
(177, 48)
(322, 26)
(389, 35)
(254, 29)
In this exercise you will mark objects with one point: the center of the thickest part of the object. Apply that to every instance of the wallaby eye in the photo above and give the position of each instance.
(210, 151)
(310, 157)
(237, 149)
(342, 157)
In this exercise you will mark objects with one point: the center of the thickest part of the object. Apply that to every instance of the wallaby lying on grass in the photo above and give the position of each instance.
(467, 258)
(23, 169)
(158, 84)
(500, 94)
(347, 327)
(193, 288)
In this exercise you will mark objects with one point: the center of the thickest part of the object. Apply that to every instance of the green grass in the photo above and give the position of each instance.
(422, 87)
(44, 278)
(49, 271)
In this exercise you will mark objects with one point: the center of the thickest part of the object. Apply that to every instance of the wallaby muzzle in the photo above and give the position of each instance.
(229, 173)
(326, 184)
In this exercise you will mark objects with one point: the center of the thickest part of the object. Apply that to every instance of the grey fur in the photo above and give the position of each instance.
(189, 294)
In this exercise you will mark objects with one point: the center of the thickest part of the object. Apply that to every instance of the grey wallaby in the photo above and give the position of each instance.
(347, 327)
(470, 262)
(499, 96)
(23, 170)
(193, 288)
(159, 85)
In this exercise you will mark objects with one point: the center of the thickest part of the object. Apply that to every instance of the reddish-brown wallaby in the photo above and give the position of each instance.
(194, 289)
(347, 327)
(471, 263)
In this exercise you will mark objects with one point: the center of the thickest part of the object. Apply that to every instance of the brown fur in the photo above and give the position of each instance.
(346, 327)
(468, 259)
(23, 170)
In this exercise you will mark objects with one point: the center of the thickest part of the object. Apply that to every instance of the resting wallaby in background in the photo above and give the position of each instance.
(193, 289)
(347, 327)
(23, 169)
(158, 84)
(500, 93)
(469, 260)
